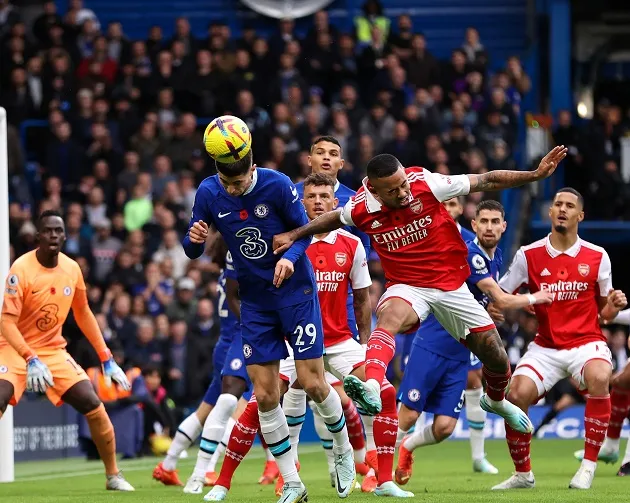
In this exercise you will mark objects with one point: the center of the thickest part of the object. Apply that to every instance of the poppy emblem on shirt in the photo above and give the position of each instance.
(261, 211)
(320, 262)
(53, 291)
(584, 269)
(416, 206)
(243, 214)
(67, 291)
(341, 259)
(562, 273)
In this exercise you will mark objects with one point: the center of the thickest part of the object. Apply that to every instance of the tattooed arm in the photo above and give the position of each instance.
(502, 179)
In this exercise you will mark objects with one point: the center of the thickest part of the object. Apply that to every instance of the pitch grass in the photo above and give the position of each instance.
(442, 473)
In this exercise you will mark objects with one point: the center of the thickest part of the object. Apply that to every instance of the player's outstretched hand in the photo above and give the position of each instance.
(198, 233)
(543, 297)
(495, 313)
(38, 376)
(112, 372)
(284, 270)
(550, 162)
(282, 242)
(617, 299)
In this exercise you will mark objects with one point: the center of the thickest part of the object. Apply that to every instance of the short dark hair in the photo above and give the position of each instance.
(319, 180)
(149, 369)
(328, 138)
(236, 168)
(490, 205)
(382, 165)
(571, 190)
(47, 214)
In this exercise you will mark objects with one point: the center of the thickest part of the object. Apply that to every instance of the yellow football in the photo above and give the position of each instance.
(227, 139)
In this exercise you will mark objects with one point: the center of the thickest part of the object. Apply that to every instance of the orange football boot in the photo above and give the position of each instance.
(405, 465)
(270, 474)
(167, 477)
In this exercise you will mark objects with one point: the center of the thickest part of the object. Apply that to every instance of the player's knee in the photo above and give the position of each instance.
(443, 429)
(90, 403)
(317, 388)
(522, 396)
(598, 383)
(267, 399)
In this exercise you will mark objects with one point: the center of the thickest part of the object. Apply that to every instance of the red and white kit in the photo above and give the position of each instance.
(339, 261)
(569, 335)
(422, 252)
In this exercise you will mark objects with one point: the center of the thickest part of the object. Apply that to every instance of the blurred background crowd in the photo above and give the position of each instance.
(121, 154)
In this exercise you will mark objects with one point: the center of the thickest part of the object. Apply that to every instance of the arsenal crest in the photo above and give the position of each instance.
(341, 259)
(584, 269)
(416, 206)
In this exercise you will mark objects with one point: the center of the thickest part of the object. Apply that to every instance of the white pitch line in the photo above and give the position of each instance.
(308, 449)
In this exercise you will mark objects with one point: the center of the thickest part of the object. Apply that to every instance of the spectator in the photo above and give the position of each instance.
(184, 304)
(474, 50)
(138, 210)
(372, 17)
(105, 248)
(401, 42)
(145, 348)
(172, 249)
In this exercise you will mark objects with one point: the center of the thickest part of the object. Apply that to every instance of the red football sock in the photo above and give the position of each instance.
(385, 431)
(380, 351)
(596, 418)
(240, 443)
(519, 445)
(619, 408)
(496, 383)
(354, 426)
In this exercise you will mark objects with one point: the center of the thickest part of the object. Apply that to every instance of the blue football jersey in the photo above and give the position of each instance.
(466, 234)
(229, 322)
(248, 223)
(481, 267)
(431, 335)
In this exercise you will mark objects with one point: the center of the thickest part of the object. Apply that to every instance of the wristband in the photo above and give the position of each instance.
(30, 357)
(531, 299)
(104, 355)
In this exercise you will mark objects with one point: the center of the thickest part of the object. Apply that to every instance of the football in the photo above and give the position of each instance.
(227, 139)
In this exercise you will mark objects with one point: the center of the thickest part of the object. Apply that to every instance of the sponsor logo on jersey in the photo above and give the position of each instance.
(261, 210)
(376, 224)
(545, 272)
(341, 258)
(584, 269)
(405, 234)
(565, 290)
(328, 281)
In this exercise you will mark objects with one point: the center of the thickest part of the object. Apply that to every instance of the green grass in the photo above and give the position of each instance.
(442, 473)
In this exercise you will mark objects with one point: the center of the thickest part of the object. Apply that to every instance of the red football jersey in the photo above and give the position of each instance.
(577, 276)
(419, 245)
(339, 261)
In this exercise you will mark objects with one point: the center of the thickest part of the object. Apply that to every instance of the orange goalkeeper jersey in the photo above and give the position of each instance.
(41, 298)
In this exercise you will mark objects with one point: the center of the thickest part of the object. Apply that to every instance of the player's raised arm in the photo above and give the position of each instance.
(89, 326)
(194, 242)
(325, 223)
(504, 179)
(504, 300)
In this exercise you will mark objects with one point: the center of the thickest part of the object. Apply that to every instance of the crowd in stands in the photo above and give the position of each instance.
(122, 155)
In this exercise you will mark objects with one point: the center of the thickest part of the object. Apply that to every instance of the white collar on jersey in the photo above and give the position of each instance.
(371, 203)
(337, 184)
(254, 180)
(330, 238)
(571, 252)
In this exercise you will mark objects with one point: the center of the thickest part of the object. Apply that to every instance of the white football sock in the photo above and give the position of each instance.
(294, 407)
(626, 458)
(325, 436)
(476, 417)
(368, 427)
(213, 430)
(400, 437)
(332, 413)
(275, 430)
(420, 438)
(268, 454)
(611, 444)
(187, 433)
(222, 446)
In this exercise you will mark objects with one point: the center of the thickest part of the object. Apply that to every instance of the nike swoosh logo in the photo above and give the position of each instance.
(301, 350)
(221, 215)
(339, 488)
